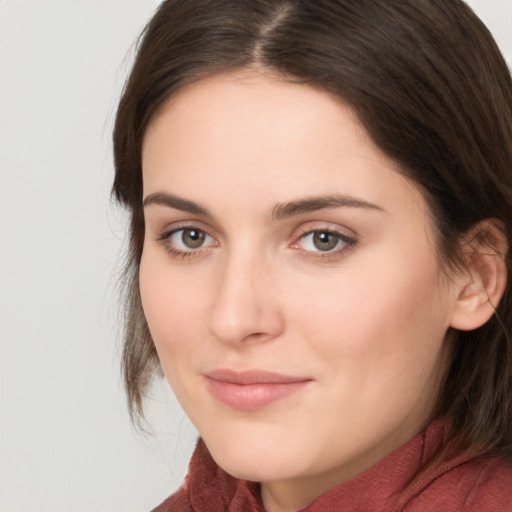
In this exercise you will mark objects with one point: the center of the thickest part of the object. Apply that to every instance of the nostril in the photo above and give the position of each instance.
(248, 322)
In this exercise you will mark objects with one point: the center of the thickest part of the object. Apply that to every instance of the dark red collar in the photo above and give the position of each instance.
(208, 488)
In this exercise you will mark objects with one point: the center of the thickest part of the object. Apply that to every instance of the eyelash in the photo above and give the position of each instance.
(347, 243)
(166, 237)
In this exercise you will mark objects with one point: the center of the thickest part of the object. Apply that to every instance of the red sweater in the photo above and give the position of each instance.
(479, 484)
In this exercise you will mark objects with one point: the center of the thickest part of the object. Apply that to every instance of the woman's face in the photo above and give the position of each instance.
(290, 283)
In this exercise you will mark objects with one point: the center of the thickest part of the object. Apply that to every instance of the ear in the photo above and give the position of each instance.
(482, 281)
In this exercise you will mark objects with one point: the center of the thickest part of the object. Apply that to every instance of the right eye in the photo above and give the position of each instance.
(187, 241)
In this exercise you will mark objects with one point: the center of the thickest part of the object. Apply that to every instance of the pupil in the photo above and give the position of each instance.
(193, 238)
(325, 241)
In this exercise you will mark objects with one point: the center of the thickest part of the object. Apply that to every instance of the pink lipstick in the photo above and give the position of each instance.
(254, 389)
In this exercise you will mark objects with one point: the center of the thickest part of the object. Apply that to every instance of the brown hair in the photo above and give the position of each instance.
(429, 84)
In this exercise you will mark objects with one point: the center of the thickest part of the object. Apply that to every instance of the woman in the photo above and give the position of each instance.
(321, 209)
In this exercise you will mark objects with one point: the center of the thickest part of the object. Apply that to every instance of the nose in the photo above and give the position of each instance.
(245, 307)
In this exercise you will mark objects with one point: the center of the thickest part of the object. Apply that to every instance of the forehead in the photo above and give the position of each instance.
(248, 135)
(236, 108)
(246, 100)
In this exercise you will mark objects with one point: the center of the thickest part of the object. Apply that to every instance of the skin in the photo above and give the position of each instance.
(365, 321)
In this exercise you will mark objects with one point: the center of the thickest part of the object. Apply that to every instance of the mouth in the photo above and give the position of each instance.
(251, 390)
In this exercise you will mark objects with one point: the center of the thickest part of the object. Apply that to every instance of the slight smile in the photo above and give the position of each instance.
(251, 390)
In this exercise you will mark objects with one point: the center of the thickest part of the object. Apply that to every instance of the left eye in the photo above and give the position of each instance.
(324, 241)
(189, 239)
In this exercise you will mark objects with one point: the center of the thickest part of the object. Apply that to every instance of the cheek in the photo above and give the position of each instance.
(377, 320)
(380, 357)
(172, 307)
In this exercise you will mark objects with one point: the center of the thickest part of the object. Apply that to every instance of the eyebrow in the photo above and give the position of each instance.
(178, 203)
(279, 212)
(312, 204)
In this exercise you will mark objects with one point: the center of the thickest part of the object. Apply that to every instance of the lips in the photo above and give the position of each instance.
(251, 390)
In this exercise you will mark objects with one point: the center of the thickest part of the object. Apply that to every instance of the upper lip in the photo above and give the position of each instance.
(252, 377)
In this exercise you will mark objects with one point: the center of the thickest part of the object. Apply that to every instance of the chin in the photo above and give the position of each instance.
(260, 470)
(256, 458)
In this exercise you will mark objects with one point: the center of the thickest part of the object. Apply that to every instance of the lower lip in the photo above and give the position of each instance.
(249, 397)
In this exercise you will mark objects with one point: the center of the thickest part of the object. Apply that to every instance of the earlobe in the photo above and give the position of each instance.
(483, 280)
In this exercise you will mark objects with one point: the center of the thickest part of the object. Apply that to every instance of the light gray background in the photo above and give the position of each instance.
(66, 444)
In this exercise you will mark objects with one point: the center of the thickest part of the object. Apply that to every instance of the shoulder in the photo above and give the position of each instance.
(178, 502)
(481, 483)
